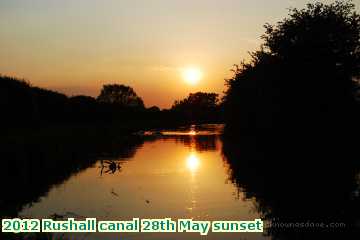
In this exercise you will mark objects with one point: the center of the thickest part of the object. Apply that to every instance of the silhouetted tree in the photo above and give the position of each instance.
(154, 109)
(294, 106)
(197, 107)
(302, 76)
(120, 95)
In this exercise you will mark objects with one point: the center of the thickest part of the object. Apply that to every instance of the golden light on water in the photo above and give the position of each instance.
(193, 163)
(192, 75)
(192, 132)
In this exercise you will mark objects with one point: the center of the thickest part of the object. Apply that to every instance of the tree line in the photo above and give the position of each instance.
(25, 105)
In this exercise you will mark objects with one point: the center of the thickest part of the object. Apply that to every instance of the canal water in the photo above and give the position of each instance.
(176, 174)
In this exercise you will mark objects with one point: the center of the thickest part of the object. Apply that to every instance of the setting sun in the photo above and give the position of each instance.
(192, 75)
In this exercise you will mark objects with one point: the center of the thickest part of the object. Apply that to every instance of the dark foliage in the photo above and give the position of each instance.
(83, 108)
(198, 107)
(17, 103)
(51, 106)
(25, 106)
(121, 95)
(296, 111)
(303, 75)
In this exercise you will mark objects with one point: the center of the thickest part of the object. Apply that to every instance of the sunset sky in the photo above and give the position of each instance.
(76, 46)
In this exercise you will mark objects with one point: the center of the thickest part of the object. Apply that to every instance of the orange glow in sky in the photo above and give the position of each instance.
(77, 46)
(192, 75)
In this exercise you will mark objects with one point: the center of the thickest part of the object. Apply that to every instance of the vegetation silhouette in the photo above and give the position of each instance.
(83, 109)
(27, 107)
(292, 116)
(31, 170)
(47, 136)
(303, 77)
(198, 107)
(121, 95)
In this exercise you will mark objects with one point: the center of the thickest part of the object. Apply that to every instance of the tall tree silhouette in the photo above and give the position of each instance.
(303, 75)
(294, 106)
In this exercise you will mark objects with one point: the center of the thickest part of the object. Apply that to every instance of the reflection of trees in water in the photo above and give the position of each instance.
(30, 169)
(203, 137)
(198, 142)
(304, 186)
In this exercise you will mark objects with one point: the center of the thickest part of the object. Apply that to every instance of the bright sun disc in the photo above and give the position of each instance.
(192, 75)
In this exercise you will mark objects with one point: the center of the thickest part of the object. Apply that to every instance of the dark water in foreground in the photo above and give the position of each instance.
(179, 174)
(190, 172)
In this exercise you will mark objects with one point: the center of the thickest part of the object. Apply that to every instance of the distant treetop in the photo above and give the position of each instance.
(121, 95)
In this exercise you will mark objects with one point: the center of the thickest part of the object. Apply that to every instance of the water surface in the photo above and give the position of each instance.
(177, 174)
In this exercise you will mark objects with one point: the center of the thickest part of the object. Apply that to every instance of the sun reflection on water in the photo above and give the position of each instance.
(192, 163)
(192, 133)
